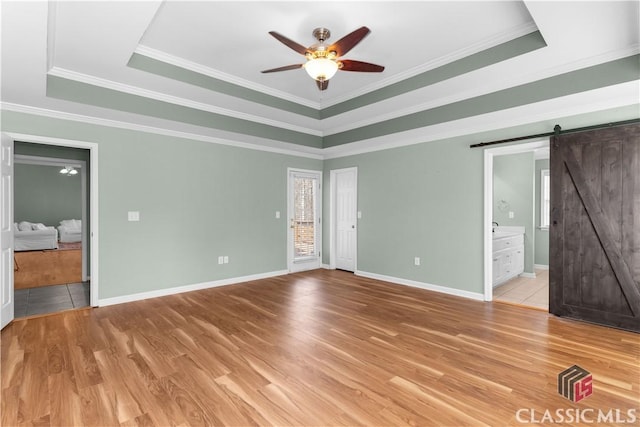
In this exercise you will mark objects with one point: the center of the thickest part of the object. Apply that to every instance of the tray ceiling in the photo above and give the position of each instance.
(194, 67)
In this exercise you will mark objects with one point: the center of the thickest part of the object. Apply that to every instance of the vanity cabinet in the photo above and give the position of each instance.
(508, 258)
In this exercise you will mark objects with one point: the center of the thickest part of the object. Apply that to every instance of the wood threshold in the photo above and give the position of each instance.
(318, 348)
(515, 304)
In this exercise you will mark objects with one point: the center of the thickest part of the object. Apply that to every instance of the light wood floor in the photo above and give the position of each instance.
(321, 348)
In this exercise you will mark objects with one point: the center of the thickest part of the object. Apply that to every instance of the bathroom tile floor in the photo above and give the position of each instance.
(525, 291)
(50, 299)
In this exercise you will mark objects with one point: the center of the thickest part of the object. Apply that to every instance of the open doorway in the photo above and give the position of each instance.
(50, 229)
(89, 224)
(517, 229)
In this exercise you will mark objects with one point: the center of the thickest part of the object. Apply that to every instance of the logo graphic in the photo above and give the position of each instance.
(575, 383)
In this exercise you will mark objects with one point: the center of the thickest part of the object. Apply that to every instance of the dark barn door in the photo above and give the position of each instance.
(595, 218)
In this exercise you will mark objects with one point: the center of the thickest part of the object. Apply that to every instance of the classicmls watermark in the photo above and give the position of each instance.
(575, 384)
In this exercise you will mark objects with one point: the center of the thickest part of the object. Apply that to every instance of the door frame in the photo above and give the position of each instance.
(92, 232)
(290, 262)
(333, 227)
(24, 159)
(489, 154)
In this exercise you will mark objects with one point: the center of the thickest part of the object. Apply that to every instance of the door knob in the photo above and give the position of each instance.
(353, 226)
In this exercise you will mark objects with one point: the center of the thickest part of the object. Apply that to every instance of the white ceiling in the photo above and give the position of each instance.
(92, 42)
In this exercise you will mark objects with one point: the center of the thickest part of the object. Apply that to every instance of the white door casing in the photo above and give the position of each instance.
(304, 223)
(6, 231)
(345, 228)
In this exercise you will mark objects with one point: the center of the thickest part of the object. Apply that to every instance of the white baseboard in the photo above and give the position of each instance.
(326, 267)
(541, 266)
(187, 288)
(428, 286)
(528, 275)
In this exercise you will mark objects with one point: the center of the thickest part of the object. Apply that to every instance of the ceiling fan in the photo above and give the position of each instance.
(323, 60)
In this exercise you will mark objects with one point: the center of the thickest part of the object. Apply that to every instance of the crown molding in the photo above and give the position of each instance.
(601, 99)
(582, 103)
(393, 108)
(474, 48)
(286, 148)
(229, 78)
(52, 12)
(453, 56)
(158, 96)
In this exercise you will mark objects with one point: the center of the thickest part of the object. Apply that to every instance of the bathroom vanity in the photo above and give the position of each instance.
(508, 253)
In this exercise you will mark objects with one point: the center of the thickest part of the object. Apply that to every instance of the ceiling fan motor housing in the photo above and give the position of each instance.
(321, 34)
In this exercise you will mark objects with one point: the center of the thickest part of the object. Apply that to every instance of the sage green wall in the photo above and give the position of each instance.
(424, 201)
(427, 200)
(513, 188)
(541, 236)
(42, 194)
(197, 201)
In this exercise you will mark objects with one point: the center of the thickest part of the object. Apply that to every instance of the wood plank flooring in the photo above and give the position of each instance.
(322, 348)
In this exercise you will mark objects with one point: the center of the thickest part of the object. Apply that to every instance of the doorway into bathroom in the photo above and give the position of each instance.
(517, 224)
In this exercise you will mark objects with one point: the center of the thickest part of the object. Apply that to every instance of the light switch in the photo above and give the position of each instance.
(133, 216)
(220, 260)
(359, 215)
(277, 214)
(226, 259)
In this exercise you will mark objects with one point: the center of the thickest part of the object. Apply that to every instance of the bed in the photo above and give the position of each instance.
(70, 230)
(29, 236)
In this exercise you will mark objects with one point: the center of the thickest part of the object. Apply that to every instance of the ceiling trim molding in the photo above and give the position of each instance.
(134, 90)
(211, 72)
(477, 47)
(601, 99)
(52, 11)
(293, 150)
(391, 112)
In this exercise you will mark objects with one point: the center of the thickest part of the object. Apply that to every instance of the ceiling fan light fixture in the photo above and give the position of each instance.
(321, 68)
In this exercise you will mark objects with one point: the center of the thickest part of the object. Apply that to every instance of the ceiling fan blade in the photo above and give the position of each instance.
(293, 45)
(285, 68)
(364, 67)
(345, 44)
(322, 85)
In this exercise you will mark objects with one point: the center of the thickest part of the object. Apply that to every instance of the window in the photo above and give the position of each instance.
(545, 199)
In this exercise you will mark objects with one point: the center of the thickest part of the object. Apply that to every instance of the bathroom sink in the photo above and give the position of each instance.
(501, 234)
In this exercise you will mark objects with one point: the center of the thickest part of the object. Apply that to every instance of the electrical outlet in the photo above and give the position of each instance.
(277, 214)
(226, 259)
(416, 261)
(133, 216)
(511, 214)
(220, 260)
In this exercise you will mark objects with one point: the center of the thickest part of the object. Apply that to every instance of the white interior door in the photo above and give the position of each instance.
(346, 207)
(304, 207)
(6, 231)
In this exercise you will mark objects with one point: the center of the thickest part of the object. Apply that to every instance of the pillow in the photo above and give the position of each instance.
(67, 222)
(24, 226)
(15, 227)
(39, 226)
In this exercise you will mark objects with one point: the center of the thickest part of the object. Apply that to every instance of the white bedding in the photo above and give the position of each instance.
(35, 240)
(70, 230)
